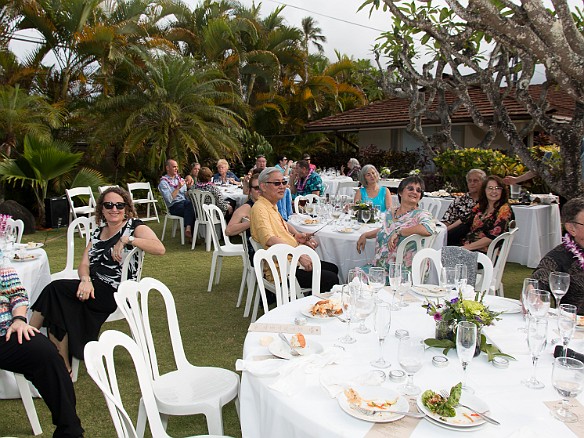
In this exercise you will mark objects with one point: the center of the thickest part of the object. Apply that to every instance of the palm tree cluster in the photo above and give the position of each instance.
(129, 83)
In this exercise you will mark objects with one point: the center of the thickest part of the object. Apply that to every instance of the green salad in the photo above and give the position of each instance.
(440, 405)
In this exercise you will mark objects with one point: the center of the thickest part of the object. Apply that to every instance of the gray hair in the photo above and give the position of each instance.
(571, 209)
(364, 170)
(354, 162)
(265, 175)
(480, 172)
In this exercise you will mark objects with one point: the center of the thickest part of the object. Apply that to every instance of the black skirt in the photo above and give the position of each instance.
(64, 314)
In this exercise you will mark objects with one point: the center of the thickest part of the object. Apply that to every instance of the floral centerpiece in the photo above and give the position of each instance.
(359, 207)
(385, 172)
(449, 313)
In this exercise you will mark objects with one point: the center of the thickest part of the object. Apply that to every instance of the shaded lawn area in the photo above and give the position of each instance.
(212, 329)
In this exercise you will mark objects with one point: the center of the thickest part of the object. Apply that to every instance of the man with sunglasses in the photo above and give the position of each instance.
(305, 180)
(173, 189)
(269, 228)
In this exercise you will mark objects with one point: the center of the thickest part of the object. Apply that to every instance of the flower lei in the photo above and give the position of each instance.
(576, 251)
(171, 181)
(299, 185)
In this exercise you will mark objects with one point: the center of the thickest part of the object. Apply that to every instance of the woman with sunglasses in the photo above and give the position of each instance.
(490, 217)
(74, 310)
(400, 222)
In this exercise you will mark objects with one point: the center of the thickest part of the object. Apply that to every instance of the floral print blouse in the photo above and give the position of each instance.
(491, 226)
(461, 209)
(383, 256)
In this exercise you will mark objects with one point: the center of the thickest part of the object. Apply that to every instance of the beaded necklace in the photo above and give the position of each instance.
(300, 185)
(576, 251)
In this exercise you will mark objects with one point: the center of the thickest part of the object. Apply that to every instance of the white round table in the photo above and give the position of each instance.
(333, 183)
(311, 412)
(235, 193)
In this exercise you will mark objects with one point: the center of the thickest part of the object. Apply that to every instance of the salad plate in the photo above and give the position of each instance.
(279, 349)
(380, 401)
(464, 419)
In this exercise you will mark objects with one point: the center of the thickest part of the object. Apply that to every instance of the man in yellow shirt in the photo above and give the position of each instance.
(268, 228)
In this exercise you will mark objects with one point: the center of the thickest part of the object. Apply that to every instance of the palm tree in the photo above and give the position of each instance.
(311, 33)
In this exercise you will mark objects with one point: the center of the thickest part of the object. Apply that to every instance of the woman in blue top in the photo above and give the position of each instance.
(371, 191)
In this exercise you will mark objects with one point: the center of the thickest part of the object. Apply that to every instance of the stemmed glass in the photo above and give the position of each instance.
(376, 279)
(411, 356)
(448, 279)
(568, 379)
(559, 285)
(394, 274)
(382, 324)
(309, 207)
(405, 285)
(536, 340)
(364, 306)
(336, 212)
(538, 303)
(366, 215)
(529, 284)
(567, 315)
(466, 343)
(460, 277)
(348, 311)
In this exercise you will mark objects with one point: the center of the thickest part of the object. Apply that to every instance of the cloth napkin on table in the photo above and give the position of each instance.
(260, 368)
(513, 345)
(335, 384)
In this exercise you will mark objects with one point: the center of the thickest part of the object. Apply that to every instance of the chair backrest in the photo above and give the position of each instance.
(200, 198)
(17, 227)
(135, 257)
(309, 198)
(85, 224)
(144, 189)
(420, 265)
(80, 192)
(132, 300)
(433, 205)
(487, 278)
(215, 218)
(413, 242)
(345, 184)
(282, 261)
(498, 252)
(102, 189)
(100, 363)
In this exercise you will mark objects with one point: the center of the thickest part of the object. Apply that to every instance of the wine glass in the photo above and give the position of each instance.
(568, 380)
(404, 287)
(376, 278)
(559, 285)
(411, 356)
(536, 340)
(567, 315)
(364, 306)
(381, 324)
(538, 303)
(466, 343)
(448, 278)
(528, 285)
(309, 207)
(348, 310)
(394, 274)
(336, 212)
(366, 215)
(460, 277)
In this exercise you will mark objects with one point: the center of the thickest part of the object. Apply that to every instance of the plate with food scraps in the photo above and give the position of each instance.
(464, 419)
(26, 258)
(311, 222)
(279, 349)
(345, 230)
(430, 290)
(33, 245)
(324, 310)
(372, 403)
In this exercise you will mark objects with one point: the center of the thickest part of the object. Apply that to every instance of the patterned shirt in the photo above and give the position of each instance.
(461, 209)
(312, 183)
(12, 296)
(167, 186)
(491, 226)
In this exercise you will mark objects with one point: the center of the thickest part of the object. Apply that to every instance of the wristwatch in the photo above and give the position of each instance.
(131, 240)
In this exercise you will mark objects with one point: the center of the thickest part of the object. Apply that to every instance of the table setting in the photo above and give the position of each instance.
(374, 383)
(230, 191)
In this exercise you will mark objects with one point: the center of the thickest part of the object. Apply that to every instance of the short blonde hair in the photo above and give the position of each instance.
(222, 161)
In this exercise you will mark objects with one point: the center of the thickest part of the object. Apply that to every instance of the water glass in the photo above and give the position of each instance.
(529, 284)
(536, 340)
(394, 274)
(366, 215)
(466, 343)
(364, 306)
(460, 277)
(411, 358)
(405, 285)
(568, 380)
(381, 324)
(448, 278)
(376, 278)
(538, 303)
(559, 285)
(567, 317)
(348, 311)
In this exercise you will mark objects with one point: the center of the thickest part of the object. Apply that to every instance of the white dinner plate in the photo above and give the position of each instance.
(375, 393)
(36, 245)
(430, 290)
(464, 418)
(306, 312)
(308, 223)
(346, 230)
(502, 304)
(279, 349)
(28, 258)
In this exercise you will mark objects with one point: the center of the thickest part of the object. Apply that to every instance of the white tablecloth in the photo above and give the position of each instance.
(34, 276)
(235, 193)
(332, 183)
(341, 248)
(392, 183)
(311, 412)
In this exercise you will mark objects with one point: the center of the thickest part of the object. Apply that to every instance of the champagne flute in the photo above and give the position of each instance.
(376, 278)
(411, 356)
(528, 285)
(466, 343)
(405, 285)
(347, 300)
(448, 278)
(567, 315)
(536, 340)
(559, 285)
(394, 274)
(309, 207)
(364, 306)
(460, 277)
(538, 303)
(568, 380)
(382, 324)
(366, 215)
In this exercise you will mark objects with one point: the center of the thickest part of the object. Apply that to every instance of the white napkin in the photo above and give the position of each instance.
(334, 384)
(260, 368)
(513, 345)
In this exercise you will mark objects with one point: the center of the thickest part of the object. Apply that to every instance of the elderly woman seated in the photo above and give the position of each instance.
(371, 191)
(224, 175)
(352, 170)
(204, 183)
(400, 222)
(568, 256)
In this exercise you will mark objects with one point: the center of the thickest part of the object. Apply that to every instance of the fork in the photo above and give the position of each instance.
(488, 419)
(373, 412)
(293, 351)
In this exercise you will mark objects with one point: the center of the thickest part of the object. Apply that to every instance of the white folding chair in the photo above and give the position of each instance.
(17, 228)
(345, 185)
(188, 390)
(309, 198)
(200, 198)
(102, 189)
(85, 225)
(498, 252)
(282, 261)
(249, 276)
(177, 221)
(433, 205)
(414, 240)
(144, 188)
(216, 220)
(84, 193)
(101, 361)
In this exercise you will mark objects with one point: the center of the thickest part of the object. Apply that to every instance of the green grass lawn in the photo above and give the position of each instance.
(212, 328)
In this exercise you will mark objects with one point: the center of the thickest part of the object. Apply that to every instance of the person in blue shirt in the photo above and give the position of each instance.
(285, 205)
(173, 189)
(224, 175)
(371, 191)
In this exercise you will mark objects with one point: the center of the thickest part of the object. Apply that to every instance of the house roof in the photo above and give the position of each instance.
(394, 112)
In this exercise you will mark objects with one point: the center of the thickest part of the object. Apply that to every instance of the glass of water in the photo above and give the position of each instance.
(411, 359)
(568, 380)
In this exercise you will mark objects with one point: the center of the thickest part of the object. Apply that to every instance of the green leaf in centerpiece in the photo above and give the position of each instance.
(447, 344)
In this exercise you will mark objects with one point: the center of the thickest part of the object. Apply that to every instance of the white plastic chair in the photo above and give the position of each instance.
(282, 261)
(228, 249)
(84, 209)
(84, 224)
(498, 252)
(177, 221)
(102, 189)
(101, 360)
(23, 386)
(344, 185)
(188, 390)
(200, 198)
(149, 201)
(309, 198)
(433, 205)
(419, 241)
(249, 277)
(17, 227)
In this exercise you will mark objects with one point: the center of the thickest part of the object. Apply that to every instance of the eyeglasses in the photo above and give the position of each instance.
(277, 183)
(254, 187)
(574, 222)
(118, 205)
(412, 188)
(494, 188)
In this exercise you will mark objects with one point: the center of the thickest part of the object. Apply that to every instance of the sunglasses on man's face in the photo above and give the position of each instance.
(277, 183)
(118, 205)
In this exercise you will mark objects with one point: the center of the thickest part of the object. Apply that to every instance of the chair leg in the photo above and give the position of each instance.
(218, 271)
(174, 225)
(256, 305)
(212, 273)
(251, 290)
(74, 368)
(214, 422)
(142, 419)
(243, 282)
(181, 224)
(164, 227)
(195, 232)
(26, 396)
(208, 237)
